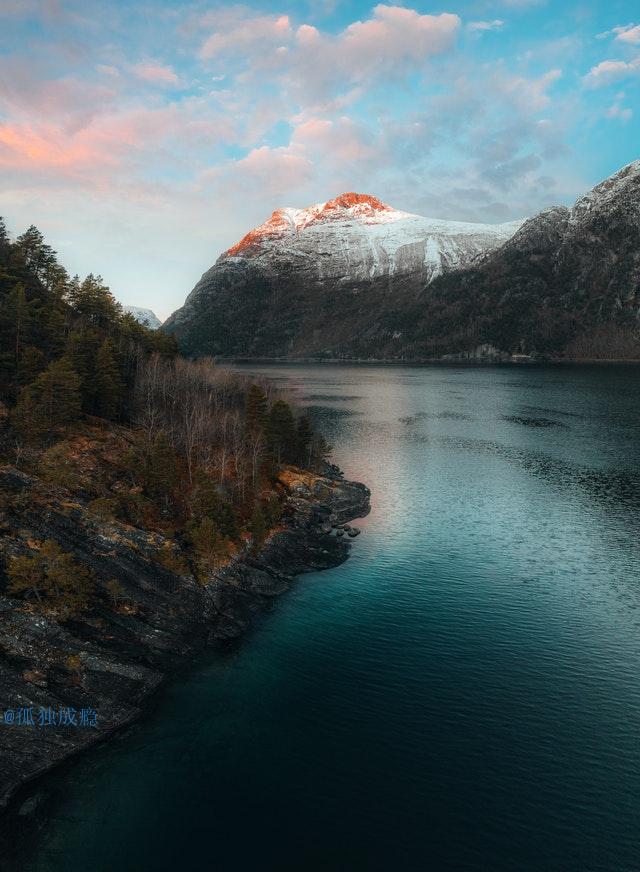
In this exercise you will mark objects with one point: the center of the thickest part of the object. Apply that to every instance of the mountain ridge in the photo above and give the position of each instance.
(355, 278)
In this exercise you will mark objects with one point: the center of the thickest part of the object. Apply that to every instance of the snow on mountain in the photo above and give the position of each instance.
(144, 316)
(317, 279)
(357, 236)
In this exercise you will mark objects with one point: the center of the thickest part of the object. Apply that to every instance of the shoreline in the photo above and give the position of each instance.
(552, 361)
(121, 676)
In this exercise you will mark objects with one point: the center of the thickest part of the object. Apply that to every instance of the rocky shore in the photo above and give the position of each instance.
(109, 663)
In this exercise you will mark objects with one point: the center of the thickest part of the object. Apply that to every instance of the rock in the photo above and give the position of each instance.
(353, 531)
(30, 805)
(35, 676)
(112, 661)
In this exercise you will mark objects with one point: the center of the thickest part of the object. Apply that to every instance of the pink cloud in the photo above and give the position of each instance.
(611, 71)
(395, 35)
(155, 74)
(394, 41)
(341, 141)
(113, 142)
(22, 146)
(244, 33)
(630, 34)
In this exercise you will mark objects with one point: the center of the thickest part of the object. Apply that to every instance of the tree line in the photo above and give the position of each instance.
(205, 445)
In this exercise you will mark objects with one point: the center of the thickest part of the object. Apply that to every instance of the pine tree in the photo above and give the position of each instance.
(93, 300)
(255, 409)
(116, 591)
(51, 401)
(31, 363)
(320, 450)
(257, 526)
(208, 541)
(305, 439)
(210, 503)
(82, 351)
(281, 433)
(58, 583)
(109, 385)
(161, 474)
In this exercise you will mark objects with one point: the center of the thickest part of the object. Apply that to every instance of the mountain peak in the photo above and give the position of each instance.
(351, 199)
(289, 222)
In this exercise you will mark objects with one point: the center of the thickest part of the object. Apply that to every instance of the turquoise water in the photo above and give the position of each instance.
(462, 694)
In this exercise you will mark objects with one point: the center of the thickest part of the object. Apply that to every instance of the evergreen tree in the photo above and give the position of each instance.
(109, 385)
(116, 591)
(257, 526)
(305, 440)
(53, 577)
(4, 236)
(82, 351)
(161, 474)
(37, 256)
(31, 363)
(209, 502)
(320, 449)
(51, 401)
(208, 541)
(255, 409)
(281, 433)
(94, 301)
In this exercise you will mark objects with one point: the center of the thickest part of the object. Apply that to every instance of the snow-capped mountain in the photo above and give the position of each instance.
(356, 237)
(280, 289)
(355, 278)
(566, 284)
(144, 316)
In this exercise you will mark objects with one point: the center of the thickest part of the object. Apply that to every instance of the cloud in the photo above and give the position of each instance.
(342, 140)
(262, 174)
(155, 73)
(530, 95)
(394, 41)
(237, 31)
(396, 35)
(617, 111)
(480, 26)
(628, 34)
(610, 71)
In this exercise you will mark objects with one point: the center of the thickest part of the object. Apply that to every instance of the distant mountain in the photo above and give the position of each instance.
(354, 278)
(307, 281)
(144, 316)
(566, 284)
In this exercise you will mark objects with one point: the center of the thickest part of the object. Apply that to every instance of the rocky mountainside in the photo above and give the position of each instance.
(144, 316)
(567, 283)
(354, 278)
(109, 660)
(310, 281)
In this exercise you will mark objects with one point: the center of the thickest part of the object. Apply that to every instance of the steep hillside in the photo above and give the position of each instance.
(315, 281)
(355, 278)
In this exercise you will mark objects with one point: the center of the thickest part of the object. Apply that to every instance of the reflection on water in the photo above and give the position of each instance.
(463, 694)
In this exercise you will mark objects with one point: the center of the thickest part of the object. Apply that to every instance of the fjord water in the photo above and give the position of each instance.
(462, 694)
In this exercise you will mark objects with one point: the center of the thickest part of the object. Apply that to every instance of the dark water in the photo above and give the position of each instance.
(463, 694)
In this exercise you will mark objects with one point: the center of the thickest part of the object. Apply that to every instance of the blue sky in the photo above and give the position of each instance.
(144, 139)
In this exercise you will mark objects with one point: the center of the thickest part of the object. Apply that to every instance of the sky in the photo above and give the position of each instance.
(145, 138)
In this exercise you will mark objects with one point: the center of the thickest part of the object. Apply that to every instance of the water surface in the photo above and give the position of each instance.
(463, 694)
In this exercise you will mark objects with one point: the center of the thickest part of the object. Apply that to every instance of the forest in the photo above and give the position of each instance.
(100, 406)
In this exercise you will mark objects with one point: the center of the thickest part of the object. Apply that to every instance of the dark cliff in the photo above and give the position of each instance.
(567, 283)
(110, 659)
